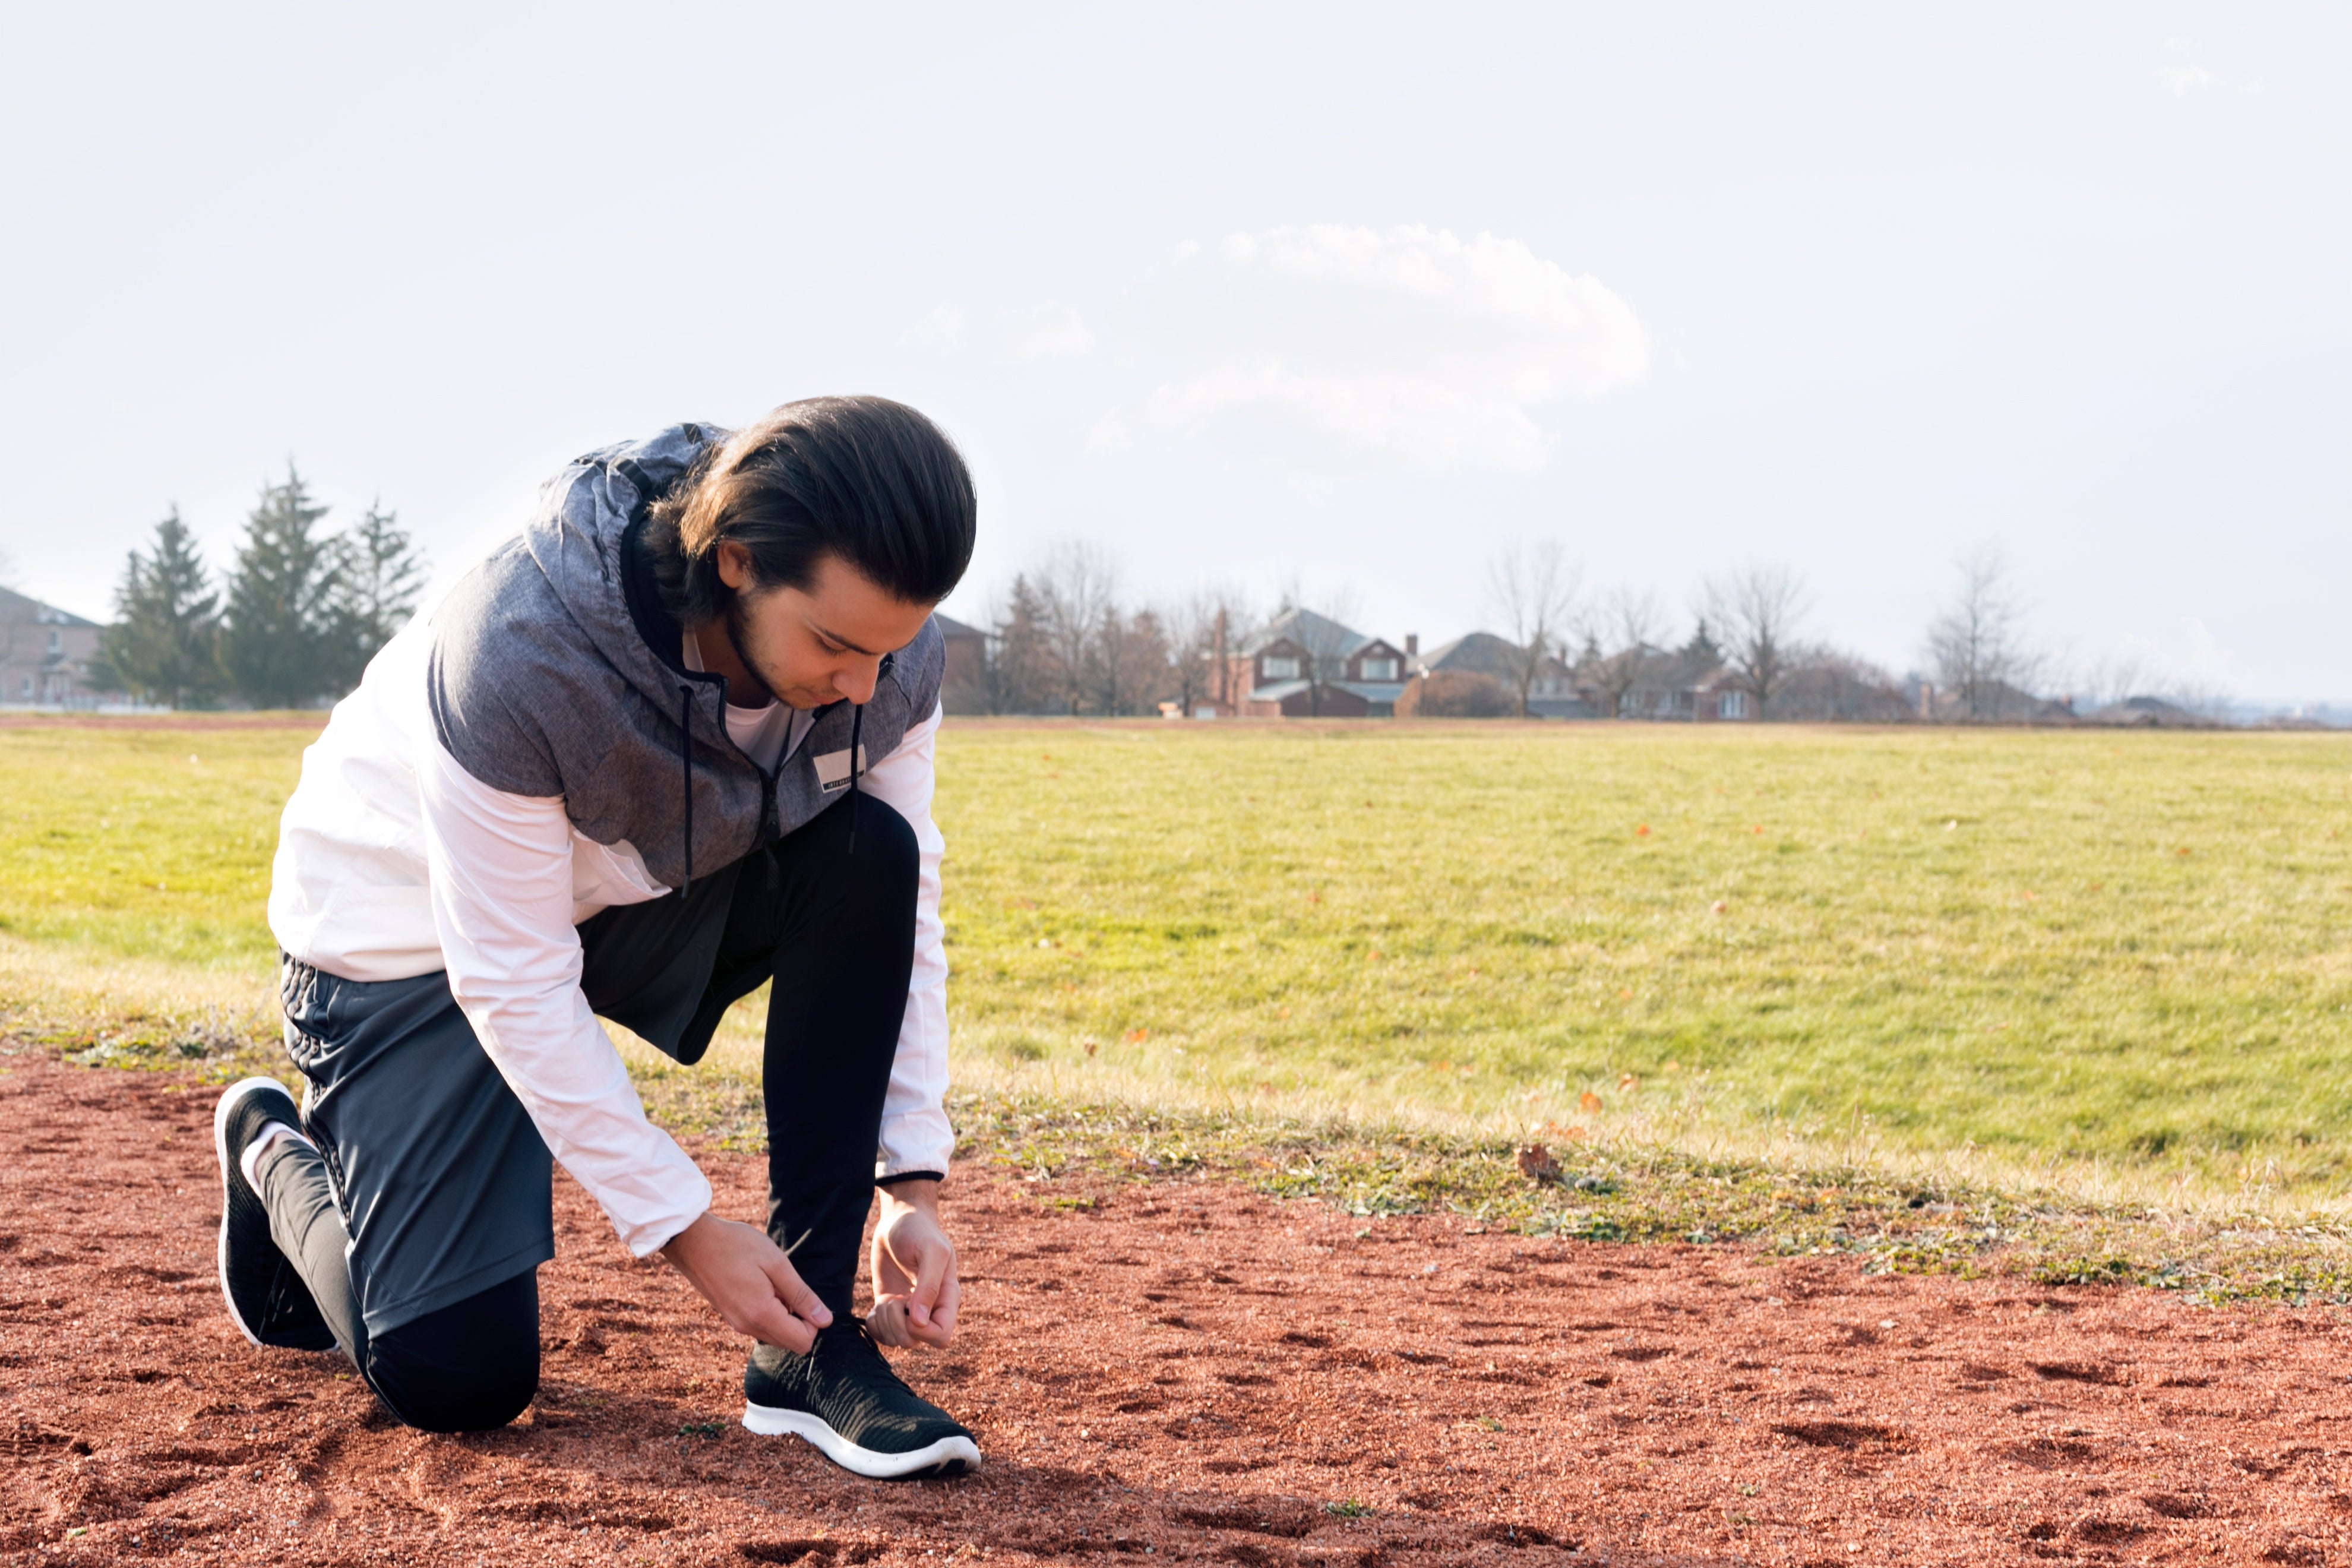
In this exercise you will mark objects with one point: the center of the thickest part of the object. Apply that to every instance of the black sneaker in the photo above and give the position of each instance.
(844, 1397)
(266, 1300)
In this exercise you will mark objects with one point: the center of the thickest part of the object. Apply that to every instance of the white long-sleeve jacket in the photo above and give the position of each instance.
(394, 861)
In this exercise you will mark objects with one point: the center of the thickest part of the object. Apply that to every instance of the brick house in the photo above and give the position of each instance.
(46, 654)
(1305, 665)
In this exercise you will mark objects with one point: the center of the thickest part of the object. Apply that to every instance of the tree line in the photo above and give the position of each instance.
(293, 621)
(1065, 637)
(300, 612)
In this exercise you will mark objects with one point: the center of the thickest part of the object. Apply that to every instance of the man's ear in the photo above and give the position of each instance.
(734, 565)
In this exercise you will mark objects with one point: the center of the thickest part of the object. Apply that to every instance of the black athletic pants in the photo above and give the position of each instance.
(828, 912)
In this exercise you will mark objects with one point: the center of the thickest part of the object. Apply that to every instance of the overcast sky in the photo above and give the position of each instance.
(1353, 297)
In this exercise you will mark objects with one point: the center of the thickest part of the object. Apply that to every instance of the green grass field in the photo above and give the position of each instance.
(2126, 953)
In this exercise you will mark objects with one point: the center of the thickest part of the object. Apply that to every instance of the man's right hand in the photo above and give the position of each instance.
(748, 1278)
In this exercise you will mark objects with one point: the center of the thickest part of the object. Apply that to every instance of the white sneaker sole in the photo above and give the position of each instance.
(949, 1456)
(229, 1097)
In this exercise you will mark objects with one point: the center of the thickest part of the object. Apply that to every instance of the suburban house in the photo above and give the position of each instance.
(46, 654)
(1305, 665)
(1994, 702)
(963, 688)
(1689, 684)
(2151, 713)
(1478, 676)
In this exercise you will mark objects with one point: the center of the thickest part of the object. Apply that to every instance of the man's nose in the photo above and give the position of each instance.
(857, 683)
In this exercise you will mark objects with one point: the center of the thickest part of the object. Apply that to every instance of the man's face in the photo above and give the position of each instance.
(814, 645)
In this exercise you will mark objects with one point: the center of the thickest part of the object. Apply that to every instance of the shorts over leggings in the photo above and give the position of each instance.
(420, 1223)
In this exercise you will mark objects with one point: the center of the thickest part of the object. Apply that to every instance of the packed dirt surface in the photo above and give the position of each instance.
(1180, 1372)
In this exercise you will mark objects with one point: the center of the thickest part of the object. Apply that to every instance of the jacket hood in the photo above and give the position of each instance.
(577, 538)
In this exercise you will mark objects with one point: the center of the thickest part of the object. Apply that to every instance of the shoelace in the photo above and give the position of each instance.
(867, 1365)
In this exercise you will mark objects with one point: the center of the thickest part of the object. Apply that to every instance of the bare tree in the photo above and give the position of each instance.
(2110, 680)
(1978, 643)
(2121, 676)
(1202, 630)
(1533, 589)
(1130, 662)
(1753, 616)
(1828, 683)
(1076, 590)
(1619, 629)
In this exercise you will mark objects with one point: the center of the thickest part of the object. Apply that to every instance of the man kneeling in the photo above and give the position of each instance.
(673, 742)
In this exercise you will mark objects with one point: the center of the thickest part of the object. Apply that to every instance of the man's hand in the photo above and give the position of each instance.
(748, 1278)
(915, 1290)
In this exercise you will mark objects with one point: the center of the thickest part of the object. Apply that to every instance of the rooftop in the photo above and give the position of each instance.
(1318, 635)
(16, 609)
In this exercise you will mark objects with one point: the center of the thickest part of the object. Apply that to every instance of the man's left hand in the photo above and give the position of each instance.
(915, 1290)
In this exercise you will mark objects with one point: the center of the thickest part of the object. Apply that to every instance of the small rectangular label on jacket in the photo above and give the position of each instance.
(833, 769)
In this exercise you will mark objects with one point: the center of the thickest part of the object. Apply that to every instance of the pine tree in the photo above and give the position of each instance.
(379, 576)
(163, 644)
(1021, 675)
(277, 648)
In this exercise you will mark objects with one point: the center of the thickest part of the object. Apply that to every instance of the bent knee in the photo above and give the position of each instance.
(875, 854)
(437, 1404)
(468, 1367)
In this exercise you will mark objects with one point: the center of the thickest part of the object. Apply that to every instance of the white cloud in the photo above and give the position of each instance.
(941, 333)
(1049, 331)
(2187, 75)
(1334, 351)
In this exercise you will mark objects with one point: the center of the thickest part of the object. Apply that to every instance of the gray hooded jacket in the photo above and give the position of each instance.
(555, 670)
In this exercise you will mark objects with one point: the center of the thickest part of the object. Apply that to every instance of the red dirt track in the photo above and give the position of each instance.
(1185, 1372)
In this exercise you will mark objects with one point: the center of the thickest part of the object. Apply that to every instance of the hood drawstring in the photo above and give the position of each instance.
(686, 768)
(686, 773)
(857, 725)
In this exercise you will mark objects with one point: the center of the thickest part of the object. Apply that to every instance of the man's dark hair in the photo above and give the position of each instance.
(863, 478)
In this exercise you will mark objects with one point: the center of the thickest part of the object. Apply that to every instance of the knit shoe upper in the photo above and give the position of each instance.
(844, 1396)
(266, 1300)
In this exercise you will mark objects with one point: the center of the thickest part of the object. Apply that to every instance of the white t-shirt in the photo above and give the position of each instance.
(767, 733)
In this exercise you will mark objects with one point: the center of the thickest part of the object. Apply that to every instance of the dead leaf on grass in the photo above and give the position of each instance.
(1537, 1164)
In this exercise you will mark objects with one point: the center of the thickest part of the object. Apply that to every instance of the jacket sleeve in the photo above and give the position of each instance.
(499, 870)
(916, 1137)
